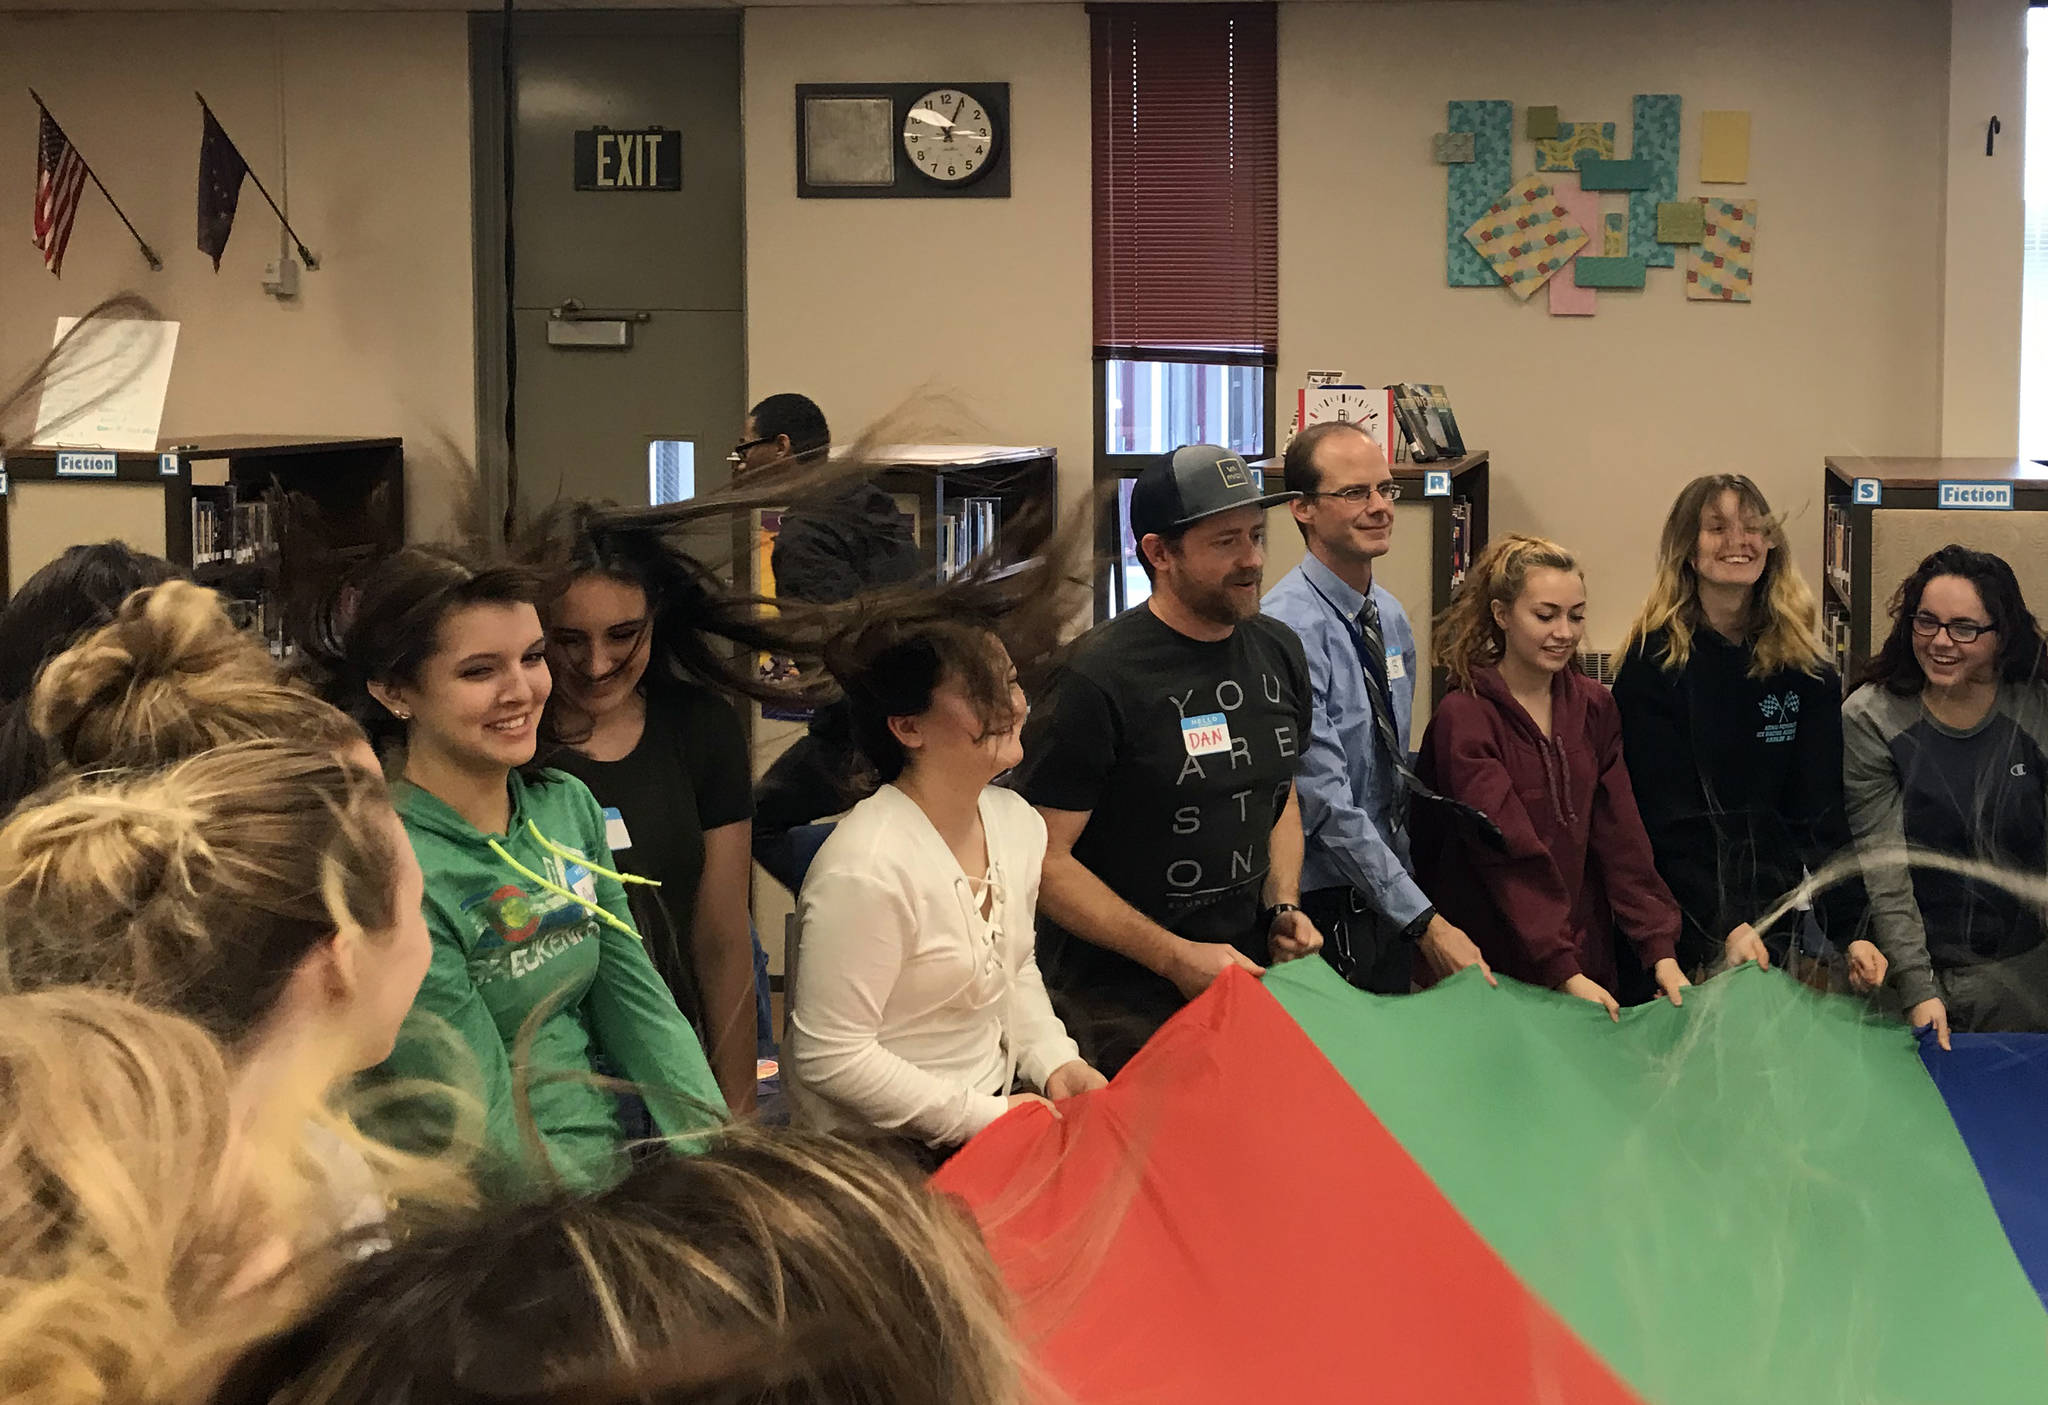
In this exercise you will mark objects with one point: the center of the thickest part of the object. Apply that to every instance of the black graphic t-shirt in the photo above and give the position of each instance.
(1183, 751)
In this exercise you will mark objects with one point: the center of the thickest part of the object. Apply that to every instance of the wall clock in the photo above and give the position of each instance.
(949, 136)
(903, 141)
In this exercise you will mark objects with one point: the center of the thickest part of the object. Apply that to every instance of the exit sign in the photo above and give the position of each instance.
(650, 158)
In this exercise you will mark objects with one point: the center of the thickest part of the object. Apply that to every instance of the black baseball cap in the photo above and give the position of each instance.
(1193, 482)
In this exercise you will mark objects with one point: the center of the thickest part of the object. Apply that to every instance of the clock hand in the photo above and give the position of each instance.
(958, 108)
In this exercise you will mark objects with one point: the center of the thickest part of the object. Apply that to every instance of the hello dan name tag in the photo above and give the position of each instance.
(1207, 735)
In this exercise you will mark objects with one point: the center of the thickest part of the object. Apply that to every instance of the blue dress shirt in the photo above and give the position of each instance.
(1347, 790)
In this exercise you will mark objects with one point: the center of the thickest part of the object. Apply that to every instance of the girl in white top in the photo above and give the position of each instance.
(918, 1001)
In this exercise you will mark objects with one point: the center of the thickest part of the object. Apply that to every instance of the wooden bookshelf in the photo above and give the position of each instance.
(214, 507)
(1868, 548)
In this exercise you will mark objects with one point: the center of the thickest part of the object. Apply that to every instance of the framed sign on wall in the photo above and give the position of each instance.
(648, 158)
(903, 141)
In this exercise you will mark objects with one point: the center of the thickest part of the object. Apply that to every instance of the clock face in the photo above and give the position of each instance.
(949, 136)
(1348, 404)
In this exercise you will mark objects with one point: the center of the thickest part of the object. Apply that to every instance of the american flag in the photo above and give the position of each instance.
(60, 179)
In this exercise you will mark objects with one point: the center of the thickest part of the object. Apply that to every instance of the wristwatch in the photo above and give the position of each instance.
(1272, 914)
(1414, 930)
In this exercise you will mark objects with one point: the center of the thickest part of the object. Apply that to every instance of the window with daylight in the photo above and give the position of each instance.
(2034, 270)
(671, 471)
(1186, 207)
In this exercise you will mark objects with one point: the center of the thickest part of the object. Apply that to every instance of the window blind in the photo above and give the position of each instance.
(1186, 177)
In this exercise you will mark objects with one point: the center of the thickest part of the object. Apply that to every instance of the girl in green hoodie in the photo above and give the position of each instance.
(537, 969)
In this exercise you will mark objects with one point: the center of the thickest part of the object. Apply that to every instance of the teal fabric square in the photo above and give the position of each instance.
(1474, 185)
(1655, 141)
(1609, 273)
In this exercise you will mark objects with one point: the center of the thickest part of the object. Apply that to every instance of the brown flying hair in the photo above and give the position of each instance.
(775, 1268)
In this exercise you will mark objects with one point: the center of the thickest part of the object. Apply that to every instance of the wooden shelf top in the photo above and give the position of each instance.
(220, 446)
(1407, 472)
(240, 446)
(1926, 473)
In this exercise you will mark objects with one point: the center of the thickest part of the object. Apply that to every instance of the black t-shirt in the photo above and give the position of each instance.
(1739, 780)
(1980, 795)
(1183, 751)
(690, 773)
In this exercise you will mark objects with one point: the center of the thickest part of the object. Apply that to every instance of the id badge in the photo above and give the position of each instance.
(1397, 665)
(616, 835)
(1206, 735)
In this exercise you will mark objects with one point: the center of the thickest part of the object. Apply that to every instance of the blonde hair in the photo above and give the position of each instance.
(141, 1208)
(779, 1267)
(170, 676)
(1466, 638)
(198, 888)
(1783, 616)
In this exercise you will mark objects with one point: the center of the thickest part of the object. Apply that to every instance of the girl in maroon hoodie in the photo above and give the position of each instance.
(1535, 745)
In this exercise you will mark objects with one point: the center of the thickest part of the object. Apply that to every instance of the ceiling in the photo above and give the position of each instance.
(335, 6)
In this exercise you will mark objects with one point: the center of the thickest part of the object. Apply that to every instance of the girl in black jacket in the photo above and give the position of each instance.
(1732, 731)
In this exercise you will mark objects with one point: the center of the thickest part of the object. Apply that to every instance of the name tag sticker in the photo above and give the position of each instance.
(615, 833)
(1206, 735)
(1397, 665)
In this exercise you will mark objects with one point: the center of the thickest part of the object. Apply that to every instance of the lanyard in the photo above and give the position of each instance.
(1375, 676)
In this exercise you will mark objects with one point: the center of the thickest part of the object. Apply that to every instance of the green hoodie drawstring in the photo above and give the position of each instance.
(571, 856)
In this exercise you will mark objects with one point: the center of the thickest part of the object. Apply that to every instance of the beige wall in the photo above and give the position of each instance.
(1595, 422)
(1983, 229)
(861, 303)
(982, 304)
(376, 108)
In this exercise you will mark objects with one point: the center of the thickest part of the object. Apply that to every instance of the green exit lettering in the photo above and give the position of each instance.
(628, 160)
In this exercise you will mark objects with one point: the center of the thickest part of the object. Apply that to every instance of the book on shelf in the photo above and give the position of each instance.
(1413, 421)
(1414, 428)
(227, 529)
(1837, 548)
(966, 536)
(1461, 541)
(1438, 419)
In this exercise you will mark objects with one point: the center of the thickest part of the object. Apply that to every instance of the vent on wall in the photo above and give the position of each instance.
(1598, 666)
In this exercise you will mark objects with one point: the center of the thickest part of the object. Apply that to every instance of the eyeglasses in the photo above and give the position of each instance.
(1962, 631)
(742, 449)
(1358, 493)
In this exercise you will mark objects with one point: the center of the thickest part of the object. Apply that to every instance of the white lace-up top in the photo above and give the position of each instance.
(912, 1010)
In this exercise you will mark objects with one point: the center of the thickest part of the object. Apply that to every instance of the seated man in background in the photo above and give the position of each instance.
(847, 539)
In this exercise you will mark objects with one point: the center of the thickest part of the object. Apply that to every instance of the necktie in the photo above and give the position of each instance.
(1381, 692)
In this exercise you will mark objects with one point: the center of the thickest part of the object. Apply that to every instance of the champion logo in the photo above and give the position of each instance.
(2019, 768)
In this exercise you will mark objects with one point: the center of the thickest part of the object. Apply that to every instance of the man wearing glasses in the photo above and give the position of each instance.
(833, 545)
(1358, 886)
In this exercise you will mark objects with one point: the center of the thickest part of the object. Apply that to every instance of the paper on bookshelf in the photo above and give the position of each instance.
(106, 386)
(948, 455)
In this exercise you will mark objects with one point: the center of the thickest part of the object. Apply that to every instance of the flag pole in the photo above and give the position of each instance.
(156, 264)
(305, 254)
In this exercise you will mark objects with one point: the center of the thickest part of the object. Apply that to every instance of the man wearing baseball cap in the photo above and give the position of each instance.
(1162, 757)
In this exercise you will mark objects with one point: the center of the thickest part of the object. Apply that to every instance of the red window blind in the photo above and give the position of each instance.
(1187, 191)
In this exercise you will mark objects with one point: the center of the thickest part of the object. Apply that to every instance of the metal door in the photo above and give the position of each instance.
(658, 415)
